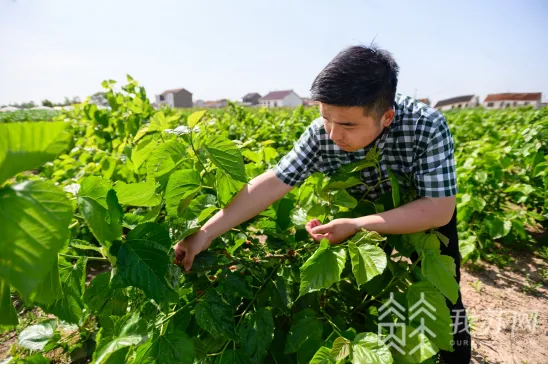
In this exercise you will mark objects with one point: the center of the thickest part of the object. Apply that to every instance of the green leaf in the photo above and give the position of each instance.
(283, 208)
(171, 348)
(216, 316)
(443, 239)
(164, 160)
(467, 247)
(304, 326)
(322, 269)
(341, 348)
(323, 356)
(50, 289)
(142, 151)
(181, 188)
(368, 261)
(497, 228)
(34, 359)
(69, 307)
(101, 210)
(226, 156)
(233, 357)
(128, 331)
(195, 118)
(198, 205)
(8, 315)
(425, 301)
(344, 199)
(158, 122)
(227, 187)
(337, 182)
(234, 284)
(138, 195)
(143, 261)
(34, 219)
(415, 349)
(367, 348)
(257, 333)
(477, 203)
(395, 188)
(440, 271)
(102, 300)
(26, 146)
(36, 337)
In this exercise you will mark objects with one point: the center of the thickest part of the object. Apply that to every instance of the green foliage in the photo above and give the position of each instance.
(132, 181)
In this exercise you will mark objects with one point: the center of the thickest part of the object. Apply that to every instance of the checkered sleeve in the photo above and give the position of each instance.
(302, 160)
(434, 173)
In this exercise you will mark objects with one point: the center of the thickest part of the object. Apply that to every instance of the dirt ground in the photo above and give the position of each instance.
(509, 313)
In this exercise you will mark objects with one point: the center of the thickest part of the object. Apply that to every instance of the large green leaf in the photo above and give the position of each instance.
(368, 261)
(234, 284)
(158, 122)
(69, 307)
(416, 346)
(163, 161)
(440, 271)
(323, 356)
(344, 199)
(367, 348)
(227, 156)
(195, 118)
(34, 219)
(50, 289)
(257, 333)
(216, 316)
(28, 145)
(127, 331)
(36, 337)
(424, 302)
(139, 194)
(305, 326)
(181, 188)
(341, 348)
(498, 228)
(171, 348)
(143, 261)
(322, 269)
(142, 151)
(227, 187)
(103, 300)
(8, 315)
(99, 205)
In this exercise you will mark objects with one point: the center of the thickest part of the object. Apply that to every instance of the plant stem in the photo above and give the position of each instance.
(90, 258)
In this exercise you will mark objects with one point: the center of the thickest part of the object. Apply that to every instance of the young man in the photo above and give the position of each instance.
(360, 110)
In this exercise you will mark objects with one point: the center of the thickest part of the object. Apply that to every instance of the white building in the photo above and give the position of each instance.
(280, 98)
(176, 98)
(465, 101)
(508, 100)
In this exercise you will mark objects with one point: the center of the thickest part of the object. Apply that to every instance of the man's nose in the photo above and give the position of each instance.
(335, 134)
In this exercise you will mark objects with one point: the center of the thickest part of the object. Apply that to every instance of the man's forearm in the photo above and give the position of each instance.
(417, 216)
(254, 197)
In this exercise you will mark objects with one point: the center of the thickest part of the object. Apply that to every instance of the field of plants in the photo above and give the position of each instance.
(92, 201)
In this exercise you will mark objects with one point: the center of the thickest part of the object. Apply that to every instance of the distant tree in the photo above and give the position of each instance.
(99, 99)
(27, 105)
(46, 102)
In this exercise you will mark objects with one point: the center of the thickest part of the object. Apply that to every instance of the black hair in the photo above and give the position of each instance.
(359, 76)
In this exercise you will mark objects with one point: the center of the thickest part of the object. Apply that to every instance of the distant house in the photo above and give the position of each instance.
(425, 101)
(280, 98)
(176, 98)
(465, 101)
(199, 103)
(507, 100)
(309, 102)
(251, 99)
(216, 103)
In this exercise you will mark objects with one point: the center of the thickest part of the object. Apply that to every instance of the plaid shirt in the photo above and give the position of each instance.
(417, 147)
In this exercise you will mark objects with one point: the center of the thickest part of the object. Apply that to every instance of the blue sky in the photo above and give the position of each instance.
(224, 49)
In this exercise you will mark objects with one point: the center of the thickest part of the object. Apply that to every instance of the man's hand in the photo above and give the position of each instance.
(187, 249)
(335, 231)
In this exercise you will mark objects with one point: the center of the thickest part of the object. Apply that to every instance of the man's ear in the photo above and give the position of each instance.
(388, 117)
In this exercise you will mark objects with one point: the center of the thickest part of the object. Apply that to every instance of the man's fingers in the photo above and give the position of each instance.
(326, 228)
(188, 260)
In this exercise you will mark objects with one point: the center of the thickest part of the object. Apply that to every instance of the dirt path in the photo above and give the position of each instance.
(509, 312)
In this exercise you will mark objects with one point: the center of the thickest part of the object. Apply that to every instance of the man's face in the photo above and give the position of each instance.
(350, 128)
